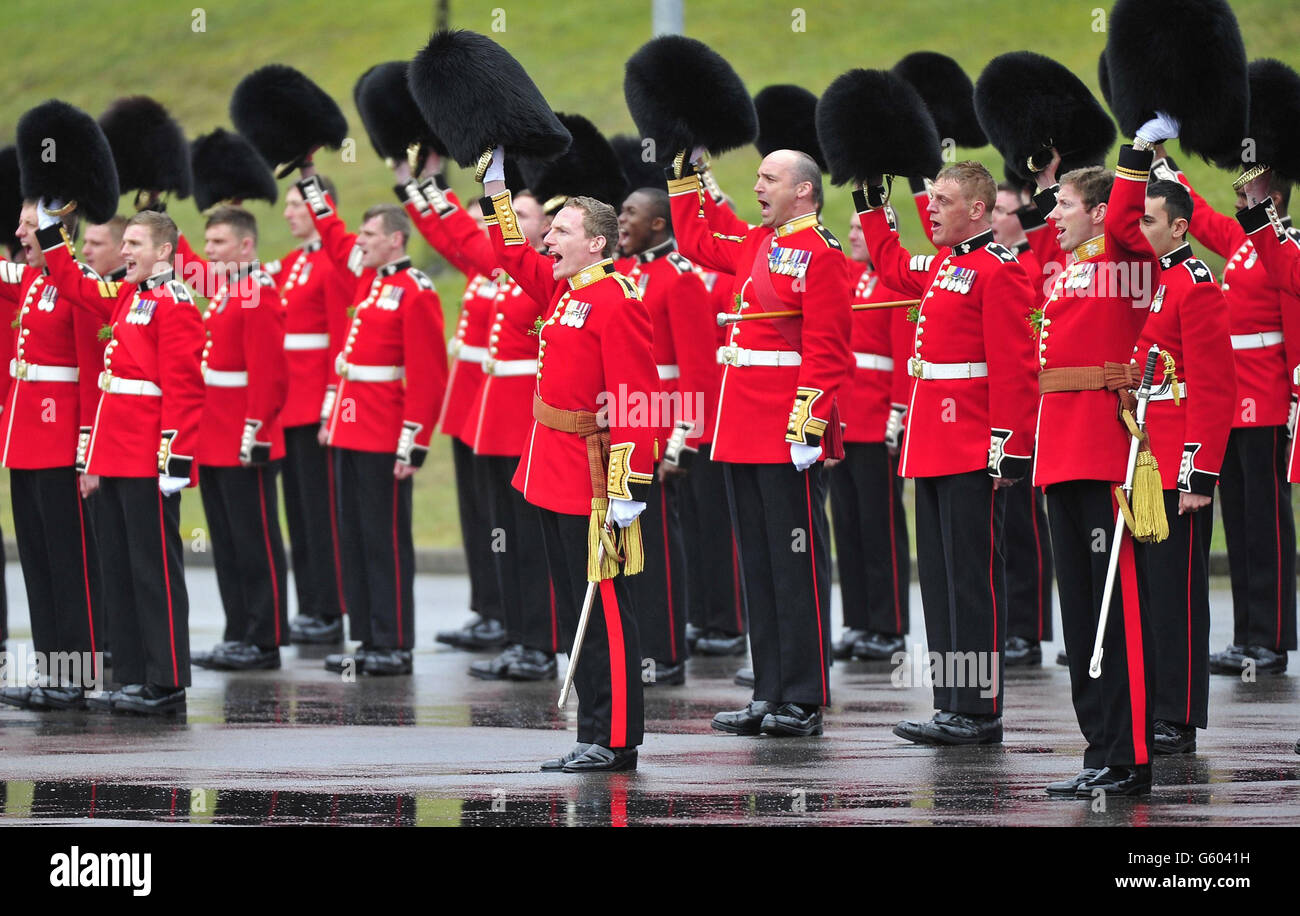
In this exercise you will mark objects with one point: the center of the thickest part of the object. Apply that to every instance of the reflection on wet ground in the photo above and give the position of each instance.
(302, 746)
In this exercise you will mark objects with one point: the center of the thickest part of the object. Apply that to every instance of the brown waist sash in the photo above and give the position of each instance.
(1117, 377)
(582, 423)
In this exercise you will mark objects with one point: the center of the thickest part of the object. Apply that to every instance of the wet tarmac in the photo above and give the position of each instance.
(302, 746)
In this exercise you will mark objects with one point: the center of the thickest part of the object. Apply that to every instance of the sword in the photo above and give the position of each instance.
(582, 623)
(725, 319)
(1143, 395)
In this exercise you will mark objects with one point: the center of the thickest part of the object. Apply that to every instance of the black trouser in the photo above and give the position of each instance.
(608, 676)
(1176, 594)
(713, 594)
(963, 596)
(871, 547)
(659, 592)
(519, 557)
(476, 532)
(313, 528)
(1114, 711)
(779, 516)
(377, 553)
(144, 582)
(248, 552)
(1027, 546)
(56, 546)
(1260, 533)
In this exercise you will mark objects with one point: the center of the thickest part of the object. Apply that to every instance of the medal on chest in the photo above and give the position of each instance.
(1158, 301)
(575, 313)
(306, 272)
(1080, 275)
(642, 281)
(141, 311)
(867, 285)
(788, 262)
(49, 295)
(957, 279)
(390, 297)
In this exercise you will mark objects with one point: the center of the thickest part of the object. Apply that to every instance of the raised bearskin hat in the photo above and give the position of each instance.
(286, 116)
(149, 147)
(637, 173)
(475, 96)
(682, 94)
(947, 91)
(391, 118)
(1185, 58)
(589, 168)
(872, 122)
(787, 119)
(11, 197)
(1274, 114)
(226, 167)
(1103, 78)
(64, 155)
(1028, 103)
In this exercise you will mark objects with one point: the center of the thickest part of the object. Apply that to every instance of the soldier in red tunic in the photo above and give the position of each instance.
(241, 441)
(594, 354)
(315, 298)
(775, 412)
(53, 348)
(684, 330)
(142, 448)
(1188, 421)
(969, 422)
(391, 374)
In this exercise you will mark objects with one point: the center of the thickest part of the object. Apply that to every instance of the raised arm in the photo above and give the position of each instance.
(86, 288)
(1127, 204)
(336, 241)
(897, 267)
(1217, 232)
(716, 247)
(533, 272)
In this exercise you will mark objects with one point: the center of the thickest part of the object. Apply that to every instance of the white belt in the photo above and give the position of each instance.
(355, 373)
(1256, 341)
(1169, 395)
(500, 368)
(874, 361)
(30, 372)
(219, 378)
(306, 341)
(114, 385)
(739, 356)
(672, 371)
(472, 354)
(919, 368)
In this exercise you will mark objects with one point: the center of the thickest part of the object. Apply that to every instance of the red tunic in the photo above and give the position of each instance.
(594, 352)
(882, 343)
(1094, 316)
(782, 376)
(1188, 319)
(156, 345)
(44, 366)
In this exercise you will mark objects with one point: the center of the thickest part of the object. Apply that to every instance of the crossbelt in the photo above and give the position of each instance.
(113, 385)
(306, 341)
(919, 368)
(219, 378)
(502, 368)
(739, 356)
(354, 373)
(30, 372)
(1256, 341)
(874, 361)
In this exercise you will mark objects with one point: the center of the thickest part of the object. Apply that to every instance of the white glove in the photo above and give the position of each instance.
(623, 512)
(1160, 128)
(1291, 418)
(697, 156)
(43, 219)
(497, 170)
(804, 456)
(170, 485)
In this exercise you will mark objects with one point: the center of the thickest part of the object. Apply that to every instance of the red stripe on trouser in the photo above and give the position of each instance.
(1191, 547)
(893, 548)
(617, 665)
(85, 572)
(993, 592)
(817, 598)
(668, 573)
(1038, 556)
(1137, 685)
(167, 584)
(334, 531)
(397, 569)
(1277, 543)
(270, 560)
